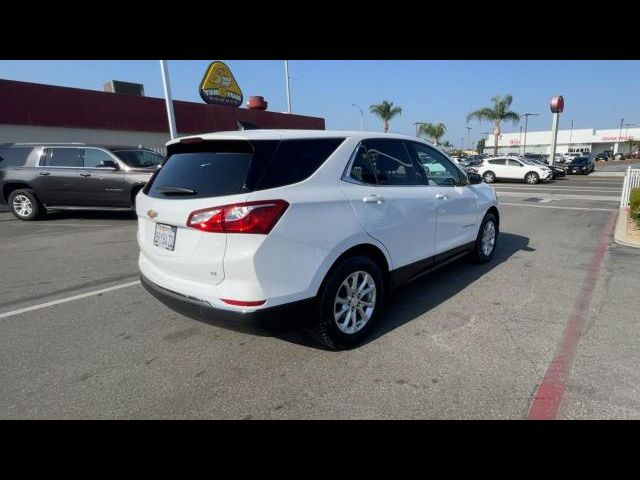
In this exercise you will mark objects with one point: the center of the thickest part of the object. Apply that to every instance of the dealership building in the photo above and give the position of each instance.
(32, 112)
(575, 140)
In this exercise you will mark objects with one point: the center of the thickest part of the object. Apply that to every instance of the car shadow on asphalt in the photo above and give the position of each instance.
(406, 304)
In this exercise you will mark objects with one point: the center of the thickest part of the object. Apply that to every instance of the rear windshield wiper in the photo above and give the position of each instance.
(176, 191)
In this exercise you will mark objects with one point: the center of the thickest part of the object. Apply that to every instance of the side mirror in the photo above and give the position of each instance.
(474, 178)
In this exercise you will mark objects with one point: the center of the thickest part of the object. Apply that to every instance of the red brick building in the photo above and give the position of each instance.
(32, 112)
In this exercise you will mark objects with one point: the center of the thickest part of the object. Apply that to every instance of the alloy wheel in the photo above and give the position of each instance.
(355, 302)
(22, 205)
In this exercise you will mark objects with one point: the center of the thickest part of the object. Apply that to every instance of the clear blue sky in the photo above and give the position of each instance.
(597, 93)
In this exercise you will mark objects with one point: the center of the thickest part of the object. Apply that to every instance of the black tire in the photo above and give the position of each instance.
(33, 208)
(489, 177)
(326, 329)
(478, 255)
(535, 178)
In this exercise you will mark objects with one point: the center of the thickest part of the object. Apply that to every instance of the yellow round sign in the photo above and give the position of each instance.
(220, 87)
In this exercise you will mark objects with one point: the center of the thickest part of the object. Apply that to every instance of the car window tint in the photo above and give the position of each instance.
(94, 158)
(391, 163)
(296, 160)
(362, 170)
(63, 157)
(437, 168)
(13, 156)
(514, 163)
(139, 158)
(499, 161)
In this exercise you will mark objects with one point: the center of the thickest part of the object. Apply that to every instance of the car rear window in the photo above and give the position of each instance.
(222, 167)
(13, 156)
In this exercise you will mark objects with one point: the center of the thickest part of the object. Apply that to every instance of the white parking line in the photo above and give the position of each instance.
(68, 299)
(561, 208)
(563, 196)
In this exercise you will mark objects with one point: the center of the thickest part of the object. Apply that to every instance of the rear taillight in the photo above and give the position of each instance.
(249, 217)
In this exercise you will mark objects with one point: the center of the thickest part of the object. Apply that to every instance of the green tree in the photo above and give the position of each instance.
(385, 111)
(499, 112)
(433, 130)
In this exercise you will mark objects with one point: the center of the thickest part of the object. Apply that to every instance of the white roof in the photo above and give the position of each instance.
(288, 134)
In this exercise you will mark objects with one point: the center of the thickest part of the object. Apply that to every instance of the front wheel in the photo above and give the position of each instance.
(349, 303)
(486, 240)
(532, 178)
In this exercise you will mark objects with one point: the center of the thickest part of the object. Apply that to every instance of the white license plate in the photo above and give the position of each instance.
(165, 236)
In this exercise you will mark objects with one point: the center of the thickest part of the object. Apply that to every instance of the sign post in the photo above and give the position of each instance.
(557, 106)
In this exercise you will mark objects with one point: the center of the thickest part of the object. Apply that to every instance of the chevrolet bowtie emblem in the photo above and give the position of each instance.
(152, 214)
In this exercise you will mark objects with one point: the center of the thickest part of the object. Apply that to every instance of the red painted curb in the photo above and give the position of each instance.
(547, 400)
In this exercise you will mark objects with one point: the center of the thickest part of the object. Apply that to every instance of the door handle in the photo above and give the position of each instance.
(442, 196)
(45, 173)
(85, 174)
(373, 199)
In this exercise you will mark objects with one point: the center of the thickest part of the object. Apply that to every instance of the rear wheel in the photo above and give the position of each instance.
(532, 178)
(24, 204)
(349, 303)
(489, 177)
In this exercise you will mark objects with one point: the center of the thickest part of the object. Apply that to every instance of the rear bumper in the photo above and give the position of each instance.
(282, 318)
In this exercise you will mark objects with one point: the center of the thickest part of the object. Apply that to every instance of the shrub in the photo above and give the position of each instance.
(634, 205)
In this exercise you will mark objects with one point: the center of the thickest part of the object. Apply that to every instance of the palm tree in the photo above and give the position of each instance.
(385, 111)
(435, 131)
(497, 113)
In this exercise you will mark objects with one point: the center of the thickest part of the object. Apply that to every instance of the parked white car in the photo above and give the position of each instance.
(247, 223)
(513, 168)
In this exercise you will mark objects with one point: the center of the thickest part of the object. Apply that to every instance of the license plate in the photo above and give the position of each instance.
(165, 236)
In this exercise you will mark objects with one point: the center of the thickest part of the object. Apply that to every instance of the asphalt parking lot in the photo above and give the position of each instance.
(464, 342)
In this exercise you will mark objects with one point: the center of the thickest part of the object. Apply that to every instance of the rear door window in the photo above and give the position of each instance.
(63, 157)
(13, 156)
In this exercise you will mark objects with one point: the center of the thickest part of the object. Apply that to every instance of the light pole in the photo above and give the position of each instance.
(620, 135)
(418, 123)
(570, 135)
(167, 97)
(286, 74)
(526, 124)
(520, 140)
(468, 136)
(361, 116)
(626, 134)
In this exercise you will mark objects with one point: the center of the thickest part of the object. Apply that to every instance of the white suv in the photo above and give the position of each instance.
(513, 168)
(245, 223)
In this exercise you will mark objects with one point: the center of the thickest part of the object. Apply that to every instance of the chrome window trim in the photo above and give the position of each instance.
(42, 149)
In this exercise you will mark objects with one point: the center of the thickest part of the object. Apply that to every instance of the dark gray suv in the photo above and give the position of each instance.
(35, 178)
